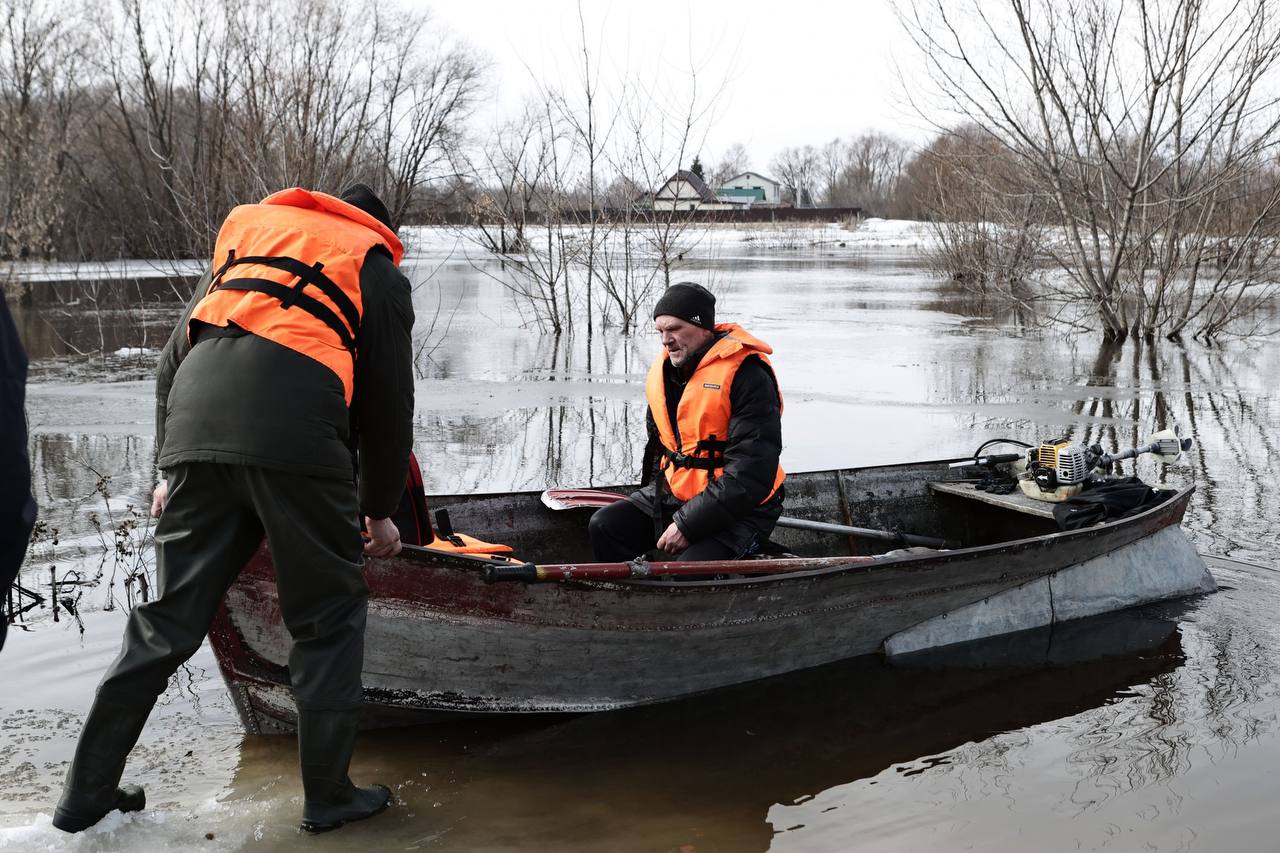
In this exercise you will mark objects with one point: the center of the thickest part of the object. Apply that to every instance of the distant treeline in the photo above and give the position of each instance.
(130, 129)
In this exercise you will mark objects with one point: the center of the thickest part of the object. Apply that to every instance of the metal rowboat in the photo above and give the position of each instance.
(442, 642)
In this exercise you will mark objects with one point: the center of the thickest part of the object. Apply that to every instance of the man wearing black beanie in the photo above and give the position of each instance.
(715, 435)
(293, 359)
(690, 302)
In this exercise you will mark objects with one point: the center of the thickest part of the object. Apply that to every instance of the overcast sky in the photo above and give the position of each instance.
(795, 72)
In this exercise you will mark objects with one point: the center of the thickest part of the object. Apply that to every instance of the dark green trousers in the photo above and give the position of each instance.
(214, 521)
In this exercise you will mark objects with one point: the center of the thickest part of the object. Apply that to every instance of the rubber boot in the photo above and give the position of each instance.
(326, 740)
(92, 789)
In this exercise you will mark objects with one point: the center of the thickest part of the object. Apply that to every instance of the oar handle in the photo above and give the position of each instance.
(526, 572)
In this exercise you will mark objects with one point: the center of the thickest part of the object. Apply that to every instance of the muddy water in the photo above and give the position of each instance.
(1154, 730)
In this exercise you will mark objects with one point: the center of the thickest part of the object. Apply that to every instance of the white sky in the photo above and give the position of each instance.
(795, 71)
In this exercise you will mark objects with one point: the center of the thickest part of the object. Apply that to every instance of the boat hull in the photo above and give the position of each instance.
(441, 643)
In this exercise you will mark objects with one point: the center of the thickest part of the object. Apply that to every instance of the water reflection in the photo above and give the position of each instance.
(1148, 761)
(706, 772)
(879, 363)
(876, 362)
(95, 315)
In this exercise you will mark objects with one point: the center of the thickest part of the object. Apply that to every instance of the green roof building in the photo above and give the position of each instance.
(750, 188)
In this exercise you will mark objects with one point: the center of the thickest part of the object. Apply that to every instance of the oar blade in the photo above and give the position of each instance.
(558, 499)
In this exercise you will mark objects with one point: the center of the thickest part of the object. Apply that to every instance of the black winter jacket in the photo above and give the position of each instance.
(17, 508)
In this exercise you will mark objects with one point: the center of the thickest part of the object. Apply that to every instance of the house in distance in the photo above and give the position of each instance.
(745, 197)
(752, 188)
(686, 191)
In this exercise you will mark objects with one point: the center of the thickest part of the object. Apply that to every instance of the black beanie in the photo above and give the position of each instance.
(361, 196)
(690, 302)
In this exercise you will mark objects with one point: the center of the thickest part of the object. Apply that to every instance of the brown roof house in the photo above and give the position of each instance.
(686, 191)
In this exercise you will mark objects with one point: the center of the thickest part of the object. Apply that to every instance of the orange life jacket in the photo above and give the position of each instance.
(297, 249)
(461, 543)
(413, 520)
(703, 413)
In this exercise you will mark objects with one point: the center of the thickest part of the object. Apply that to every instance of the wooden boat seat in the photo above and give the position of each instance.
(1015, 501)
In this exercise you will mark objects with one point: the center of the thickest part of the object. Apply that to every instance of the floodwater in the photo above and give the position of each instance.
(1150, 730)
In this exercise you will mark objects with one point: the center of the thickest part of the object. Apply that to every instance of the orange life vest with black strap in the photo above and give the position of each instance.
(288, 270)
(693, 447)
(413, 520)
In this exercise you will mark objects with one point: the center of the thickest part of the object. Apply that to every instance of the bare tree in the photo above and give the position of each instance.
(137, 125)
(565, 194)
(734, 161)
(831, 168)
(799, 170)
(581, 112)
(987, 240)
(630, 276)
(519, 211)
(41, 58)
(501, 197)
(873, 164)
(1147, 130)
(662, 127)
(431, 89)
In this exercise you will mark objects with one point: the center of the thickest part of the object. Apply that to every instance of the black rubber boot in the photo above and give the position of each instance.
(326, 740)
(92, 789)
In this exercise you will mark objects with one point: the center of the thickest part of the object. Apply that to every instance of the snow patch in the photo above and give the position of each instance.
(891, 233)
(136, 268)
(703, 240)
(232, 825)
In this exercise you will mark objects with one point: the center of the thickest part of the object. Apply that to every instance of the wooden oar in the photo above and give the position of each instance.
(595, 498)
(497, 567)
(531, 573)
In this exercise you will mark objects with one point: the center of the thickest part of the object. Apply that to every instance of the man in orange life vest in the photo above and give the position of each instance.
(294, 353)
(715, 434)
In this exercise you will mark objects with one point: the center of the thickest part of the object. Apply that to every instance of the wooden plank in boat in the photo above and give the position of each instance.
(1016, 501)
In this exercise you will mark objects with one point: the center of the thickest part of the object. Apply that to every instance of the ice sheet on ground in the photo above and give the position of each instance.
(99, 270)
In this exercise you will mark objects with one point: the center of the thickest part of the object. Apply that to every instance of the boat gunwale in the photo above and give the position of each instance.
(918, 561)
(909, 562)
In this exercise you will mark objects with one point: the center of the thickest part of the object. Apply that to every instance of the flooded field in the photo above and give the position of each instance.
(1150, 730)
